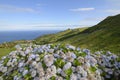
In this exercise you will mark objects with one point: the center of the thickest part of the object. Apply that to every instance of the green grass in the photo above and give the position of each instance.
(50, 38)
(5, 51)
(103, 36)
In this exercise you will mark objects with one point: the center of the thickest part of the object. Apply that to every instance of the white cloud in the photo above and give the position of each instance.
(11, 8)
(82, 9)
(95, 19)
(113, 11)
(13, 27)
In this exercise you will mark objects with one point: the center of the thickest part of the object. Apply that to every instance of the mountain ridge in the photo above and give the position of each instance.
(103, 36)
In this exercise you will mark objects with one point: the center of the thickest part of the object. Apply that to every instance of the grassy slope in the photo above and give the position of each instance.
(103, 36)
(5, 51)
(6, 48)
(51, 38)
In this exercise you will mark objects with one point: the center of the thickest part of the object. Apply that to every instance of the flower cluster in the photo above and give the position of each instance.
(58, 62)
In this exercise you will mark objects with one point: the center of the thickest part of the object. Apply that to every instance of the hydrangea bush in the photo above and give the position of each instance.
(58, 62)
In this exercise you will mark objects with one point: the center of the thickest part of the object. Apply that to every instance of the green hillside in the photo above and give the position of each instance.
(50, 38)
(103, 36)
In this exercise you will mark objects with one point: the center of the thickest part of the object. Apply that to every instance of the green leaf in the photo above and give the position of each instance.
(59, 63)
(53, 78)
(76, 63)
(68, 72)
(92, 69)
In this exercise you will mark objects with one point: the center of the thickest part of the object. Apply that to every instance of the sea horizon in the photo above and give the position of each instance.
(9, 36)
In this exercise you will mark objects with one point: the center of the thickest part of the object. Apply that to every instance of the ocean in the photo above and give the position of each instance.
(8, 36)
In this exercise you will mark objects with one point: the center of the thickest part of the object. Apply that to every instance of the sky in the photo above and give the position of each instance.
(54, 14)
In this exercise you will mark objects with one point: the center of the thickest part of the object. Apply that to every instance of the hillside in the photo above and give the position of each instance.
(50, 38)
(103, 36)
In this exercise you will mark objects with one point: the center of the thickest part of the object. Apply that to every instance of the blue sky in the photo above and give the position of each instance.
(54, 14)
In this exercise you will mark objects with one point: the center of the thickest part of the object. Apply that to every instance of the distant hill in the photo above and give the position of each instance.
(103, 36)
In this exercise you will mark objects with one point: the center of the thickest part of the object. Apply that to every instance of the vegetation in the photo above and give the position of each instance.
(103, 36)
(7, 47)
(5, 51)
(59, 63)
(76, 63)
(68, 72)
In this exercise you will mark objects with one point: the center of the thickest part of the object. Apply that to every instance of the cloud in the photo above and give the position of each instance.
(51, 25)
(95, 19)
(113, 11)
(11, 8)
(13, 27)
(82, 9)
